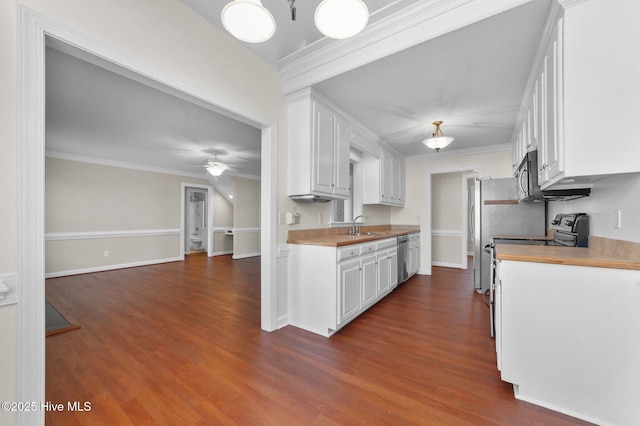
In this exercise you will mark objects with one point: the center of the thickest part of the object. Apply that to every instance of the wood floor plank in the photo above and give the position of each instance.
(180, 344)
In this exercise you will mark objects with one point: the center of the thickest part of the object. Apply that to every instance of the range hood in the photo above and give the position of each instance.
(310, 198)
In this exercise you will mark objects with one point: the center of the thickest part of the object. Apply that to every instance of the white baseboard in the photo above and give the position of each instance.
(109, 267)
(447, 265)
(244, 256)
(222, 253)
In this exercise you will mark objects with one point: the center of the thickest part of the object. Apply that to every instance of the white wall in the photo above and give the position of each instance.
(164, 35)
(614, 192)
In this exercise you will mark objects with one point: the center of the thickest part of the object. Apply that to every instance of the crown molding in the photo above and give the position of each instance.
(489, 149)
(133, 166)
(406, 28)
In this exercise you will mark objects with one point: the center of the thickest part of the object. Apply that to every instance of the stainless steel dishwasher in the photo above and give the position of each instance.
(403, 258)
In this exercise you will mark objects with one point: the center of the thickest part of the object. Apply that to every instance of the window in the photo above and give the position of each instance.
(343, 211)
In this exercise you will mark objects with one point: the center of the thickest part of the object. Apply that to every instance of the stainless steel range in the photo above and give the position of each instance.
(571, 230)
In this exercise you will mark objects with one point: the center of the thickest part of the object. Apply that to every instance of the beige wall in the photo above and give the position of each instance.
(165, 35)
(94, 198)
(446, 218)
(496, 165)
(222, 219)
(246, 217)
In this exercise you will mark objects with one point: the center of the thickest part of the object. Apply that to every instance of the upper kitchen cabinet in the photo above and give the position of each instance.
(601, 88)
(583, 95)
(319, 144)
(385, 179)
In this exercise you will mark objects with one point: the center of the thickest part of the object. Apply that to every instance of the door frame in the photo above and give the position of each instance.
(183, 216)
(427, 255)
(33, 29)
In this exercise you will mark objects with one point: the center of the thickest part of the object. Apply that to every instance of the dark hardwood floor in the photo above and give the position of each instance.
(180, 344)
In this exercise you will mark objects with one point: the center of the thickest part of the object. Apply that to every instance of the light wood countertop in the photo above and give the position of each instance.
(336, 237)
(601, 253)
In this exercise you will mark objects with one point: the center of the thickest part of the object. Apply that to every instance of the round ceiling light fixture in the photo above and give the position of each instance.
(341, 18)
(248, 20)
(438, 140)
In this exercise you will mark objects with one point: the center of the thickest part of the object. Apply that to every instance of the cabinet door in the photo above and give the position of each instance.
(414, 256)
(369, 277)
(392, 255)
(342, 160)
(348, 290)
(551, 165)
(323, 149)
(386, 171)
(398, 181)
(384, 273)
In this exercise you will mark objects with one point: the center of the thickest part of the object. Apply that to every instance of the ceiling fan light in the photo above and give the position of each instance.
(216, 169)
(248, 20)
(341, 18)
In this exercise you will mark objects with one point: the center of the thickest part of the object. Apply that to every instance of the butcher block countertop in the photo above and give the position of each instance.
(336, 237)
(601, 253)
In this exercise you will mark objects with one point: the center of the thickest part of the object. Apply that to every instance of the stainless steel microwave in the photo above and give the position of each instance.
(528, 188)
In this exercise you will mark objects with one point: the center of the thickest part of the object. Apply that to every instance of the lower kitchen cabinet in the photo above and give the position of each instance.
(413, 264)
(330, 286)
(568, 338)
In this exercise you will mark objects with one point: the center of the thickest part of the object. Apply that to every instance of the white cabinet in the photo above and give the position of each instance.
(387, 262)
(330, 286)
(369, 280)
(413, 264)
(319, 144)
(385, 179)
(550, 164)
(348, 290)
(587, 90)
(567, 338)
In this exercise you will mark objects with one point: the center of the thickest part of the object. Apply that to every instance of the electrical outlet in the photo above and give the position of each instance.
(617, 218)
(281, 219)
(320, 218)
(106, 253)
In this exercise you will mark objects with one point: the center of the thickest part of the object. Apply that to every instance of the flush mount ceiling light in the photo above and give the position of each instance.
(248, 20)
(341, 18)
(438, 140)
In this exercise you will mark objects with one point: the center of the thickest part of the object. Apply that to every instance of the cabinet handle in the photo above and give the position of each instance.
(544, 167)
(351, 253)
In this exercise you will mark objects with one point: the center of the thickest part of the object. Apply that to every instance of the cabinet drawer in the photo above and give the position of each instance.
(385, 244)
(368, 248)
(348, 252)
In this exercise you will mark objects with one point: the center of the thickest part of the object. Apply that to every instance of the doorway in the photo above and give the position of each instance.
(197, 221)
(34, 30)
(448, 220)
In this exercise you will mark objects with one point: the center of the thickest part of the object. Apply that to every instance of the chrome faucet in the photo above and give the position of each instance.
(355, 230)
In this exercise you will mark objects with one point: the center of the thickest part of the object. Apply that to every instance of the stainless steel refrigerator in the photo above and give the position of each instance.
(496, 211)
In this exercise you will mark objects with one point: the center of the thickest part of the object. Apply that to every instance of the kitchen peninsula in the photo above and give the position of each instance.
(568, 327)
(334, 276)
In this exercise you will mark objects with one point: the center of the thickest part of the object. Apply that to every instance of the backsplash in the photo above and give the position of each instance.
(615, 192)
